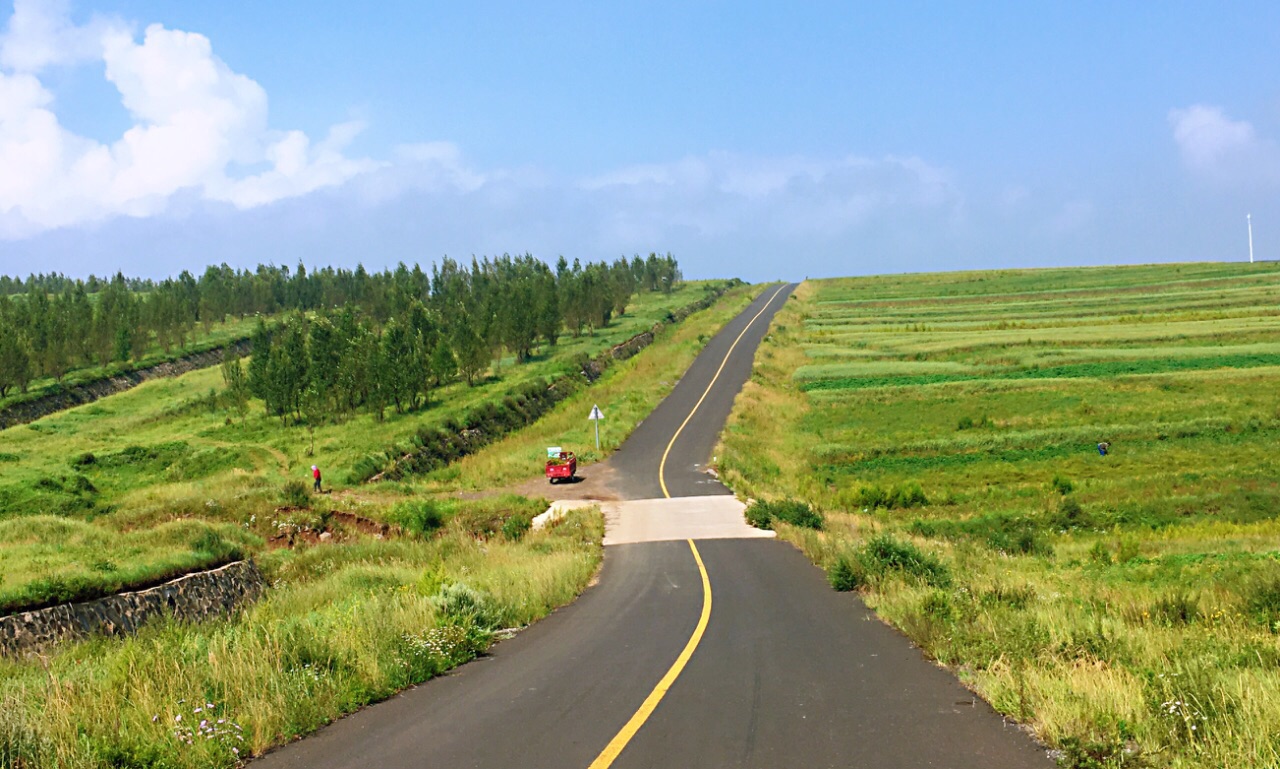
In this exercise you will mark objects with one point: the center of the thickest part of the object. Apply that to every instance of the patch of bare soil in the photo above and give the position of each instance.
(339, 526)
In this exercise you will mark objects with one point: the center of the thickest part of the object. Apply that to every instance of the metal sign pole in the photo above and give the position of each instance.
(595, 416)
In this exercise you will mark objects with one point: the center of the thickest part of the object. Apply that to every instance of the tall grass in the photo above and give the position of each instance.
(343, 627)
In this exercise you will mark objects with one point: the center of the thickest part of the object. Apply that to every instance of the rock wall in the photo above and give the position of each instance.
(78, 395)
(193, 597)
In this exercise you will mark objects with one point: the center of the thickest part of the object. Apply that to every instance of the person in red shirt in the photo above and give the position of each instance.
(315, 473)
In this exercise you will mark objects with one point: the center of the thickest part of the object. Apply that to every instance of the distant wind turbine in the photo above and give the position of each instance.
(1249, 218)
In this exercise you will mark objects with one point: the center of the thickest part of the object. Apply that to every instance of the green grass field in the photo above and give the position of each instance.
(1127, 607)
(172, 486)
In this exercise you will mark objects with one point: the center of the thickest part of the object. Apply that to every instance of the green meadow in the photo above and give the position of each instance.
(1126, 607)
(166, 478)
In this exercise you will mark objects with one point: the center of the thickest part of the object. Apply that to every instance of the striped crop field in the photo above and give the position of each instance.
(1125, 606)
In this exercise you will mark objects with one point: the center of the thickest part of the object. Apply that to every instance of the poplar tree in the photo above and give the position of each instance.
(15, 363)
(259, 362)
(233, 376)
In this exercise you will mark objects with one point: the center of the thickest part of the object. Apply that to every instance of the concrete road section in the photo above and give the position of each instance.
(664, 520)
(678, 518)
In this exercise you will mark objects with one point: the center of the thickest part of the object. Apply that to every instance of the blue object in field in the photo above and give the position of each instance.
(1102, 449)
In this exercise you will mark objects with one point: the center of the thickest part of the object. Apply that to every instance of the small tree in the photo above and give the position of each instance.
(313, 412)
(237, 382)
(15, 363)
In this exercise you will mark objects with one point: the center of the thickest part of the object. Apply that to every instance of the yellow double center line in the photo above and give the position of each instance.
(662, 479)
(628, 731)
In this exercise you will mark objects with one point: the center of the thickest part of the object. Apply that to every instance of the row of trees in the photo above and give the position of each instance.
(47, 333)
(452, 326)
(56, 283)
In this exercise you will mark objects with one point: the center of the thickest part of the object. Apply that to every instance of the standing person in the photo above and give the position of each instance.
(315, 473)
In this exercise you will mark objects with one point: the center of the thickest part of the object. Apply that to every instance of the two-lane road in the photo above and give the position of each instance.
(782, 672)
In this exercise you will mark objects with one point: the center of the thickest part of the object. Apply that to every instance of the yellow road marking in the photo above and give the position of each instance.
(620, 740)
(616, 745)
(662, 480)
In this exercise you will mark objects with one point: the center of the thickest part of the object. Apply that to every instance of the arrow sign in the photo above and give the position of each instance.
(596, 416)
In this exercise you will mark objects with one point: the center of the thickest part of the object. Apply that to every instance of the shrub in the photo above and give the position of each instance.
(1127, 550)
(1262, 601)
(1062, 485)
(458, 603)
(295, 494)
(211, 542)
(969, 423)
(759, 515)
(871, 497)
(1070, 516)
(791, 511)
(1176, 609)
(903, 496)
(937, 605)
(907, 495)
(516, 526)
(1080, 753)
(885, 556)
(845, 574)
(420, 516)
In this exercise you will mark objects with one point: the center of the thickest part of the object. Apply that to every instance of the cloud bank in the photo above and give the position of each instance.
(200, 133)
(1224, 150)
(197, 126)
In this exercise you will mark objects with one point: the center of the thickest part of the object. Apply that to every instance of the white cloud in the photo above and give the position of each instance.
(1225, 150)
(40, 34)
(726, 193)
(197, 126)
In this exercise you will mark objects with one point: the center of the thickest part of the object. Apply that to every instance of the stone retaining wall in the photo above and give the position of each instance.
(193, 597)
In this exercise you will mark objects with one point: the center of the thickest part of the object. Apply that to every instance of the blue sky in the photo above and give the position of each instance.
(756, 140)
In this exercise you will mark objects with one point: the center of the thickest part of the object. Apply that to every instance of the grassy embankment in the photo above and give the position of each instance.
(1127, 606)
(345, 624)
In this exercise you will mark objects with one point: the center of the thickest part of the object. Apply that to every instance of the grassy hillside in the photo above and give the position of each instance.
(169, 450)
(348, 621)
(219, 334)
(1126, 606)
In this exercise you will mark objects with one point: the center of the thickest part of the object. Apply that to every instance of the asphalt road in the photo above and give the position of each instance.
(787, 674)
(635, 465)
